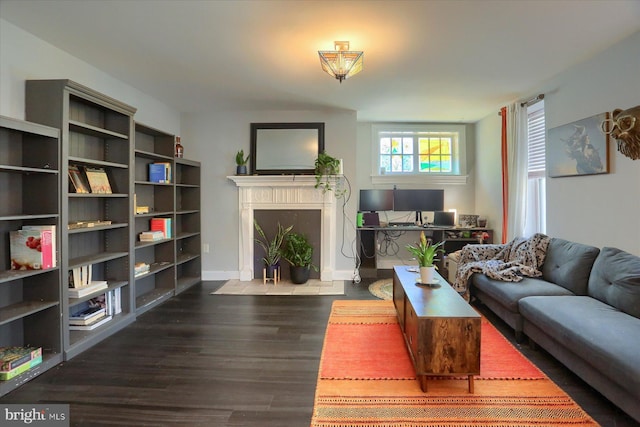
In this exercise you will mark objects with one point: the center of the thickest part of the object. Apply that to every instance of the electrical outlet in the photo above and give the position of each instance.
(205, 248)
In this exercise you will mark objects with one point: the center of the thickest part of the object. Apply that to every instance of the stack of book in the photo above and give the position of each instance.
(161, 224)
(96, 312)
(141, 268)
(33, 247)
(82, 284)
(151, 236)
(160, 172)
(16, 360)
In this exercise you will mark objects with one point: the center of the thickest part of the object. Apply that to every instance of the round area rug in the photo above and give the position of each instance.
(382, 289)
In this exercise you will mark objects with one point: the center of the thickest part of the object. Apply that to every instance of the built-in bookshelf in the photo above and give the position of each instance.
(187, 212)
(96, 229)
(154, 202)
(30, 299)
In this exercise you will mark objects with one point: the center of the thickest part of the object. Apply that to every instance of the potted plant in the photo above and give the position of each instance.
(241, 163)
(326, 167)
(425, 252)
(272, 253)
(299, 253)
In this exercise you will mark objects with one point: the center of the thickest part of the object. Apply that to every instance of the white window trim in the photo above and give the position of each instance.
(427, 178)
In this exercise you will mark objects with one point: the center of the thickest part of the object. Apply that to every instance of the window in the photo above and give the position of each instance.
(535, 221)
(415, 153)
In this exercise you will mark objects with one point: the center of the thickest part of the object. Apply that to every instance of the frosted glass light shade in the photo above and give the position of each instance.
(341, 63)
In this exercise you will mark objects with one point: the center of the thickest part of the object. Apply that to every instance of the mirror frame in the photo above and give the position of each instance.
(255, 127)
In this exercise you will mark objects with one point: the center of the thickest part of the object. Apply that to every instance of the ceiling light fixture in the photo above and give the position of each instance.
(341, 63)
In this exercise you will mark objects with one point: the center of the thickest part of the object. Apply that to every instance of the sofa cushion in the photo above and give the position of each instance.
(615, 280)
(601, 335)
(568, 264)
(509, 293)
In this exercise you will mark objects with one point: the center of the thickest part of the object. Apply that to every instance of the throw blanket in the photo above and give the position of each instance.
(509, 262)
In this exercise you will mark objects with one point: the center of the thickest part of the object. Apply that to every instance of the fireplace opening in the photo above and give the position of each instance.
(304, 221)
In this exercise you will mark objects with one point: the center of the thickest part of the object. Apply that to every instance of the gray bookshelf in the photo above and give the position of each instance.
(188, 224)
(30, 300)
(176, 262)
(158, 285)
(96, 132)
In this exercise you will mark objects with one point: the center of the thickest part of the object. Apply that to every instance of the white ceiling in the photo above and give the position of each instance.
(448, 61)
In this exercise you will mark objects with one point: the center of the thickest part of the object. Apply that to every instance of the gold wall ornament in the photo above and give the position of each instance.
(624, 126)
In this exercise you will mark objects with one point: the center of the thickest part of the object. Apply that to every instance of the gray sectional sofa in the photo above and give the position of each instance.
(584, 310)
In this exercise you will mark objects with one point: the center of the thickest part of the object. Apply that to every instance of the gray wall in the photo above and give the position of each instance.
(601, 210)
(214, 139)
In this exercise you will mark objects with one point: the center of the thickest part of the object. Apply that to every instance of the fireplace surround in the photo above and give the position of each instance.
(284, 192)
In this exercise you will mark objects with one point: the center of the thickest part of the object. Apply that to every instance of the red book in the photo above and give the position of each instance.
(161, 224)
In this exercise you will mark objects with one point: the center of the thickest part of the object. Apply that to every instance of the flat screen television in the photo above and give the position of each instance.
(418, 201)
(285, 148)
(376, 200)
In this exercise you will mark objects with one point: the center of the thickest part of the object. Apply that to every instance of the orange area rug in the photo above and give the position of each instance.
(366, 379)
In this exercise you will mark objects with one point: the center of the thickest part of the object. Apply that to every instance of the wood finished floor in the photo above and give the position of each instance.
(226, 360)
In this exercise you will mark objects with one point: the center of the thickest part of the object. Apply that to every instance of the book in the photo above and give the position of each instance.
(52, 229)
(88, 224)
(13, 357)
(88, 321)
(151, 236)
(141, 268)
(31, 249)
(99, 322)
(87, 313)
(7, 375)
(82, 276)
(89, 318)
(93, 286)
(77, 180)
(157, 173)
(98, 180)
(161, 224)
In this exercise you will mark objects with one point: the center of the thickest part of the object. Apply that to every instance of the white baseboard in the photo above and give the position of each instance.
(229, 275)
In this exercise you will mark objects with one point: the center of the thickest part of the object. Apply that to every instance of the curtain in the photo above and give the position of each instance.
(514, 171)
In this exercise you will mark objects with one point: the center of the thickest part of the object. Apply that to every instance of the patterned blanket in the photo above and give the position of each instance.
(509, 262)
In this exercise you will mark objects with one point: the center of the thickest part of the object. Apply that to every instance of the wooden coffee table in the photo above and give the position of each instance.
(441, 330)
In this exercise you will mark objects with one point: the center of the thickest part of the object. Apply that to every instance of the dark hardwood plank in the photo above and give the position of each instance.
(228, 361)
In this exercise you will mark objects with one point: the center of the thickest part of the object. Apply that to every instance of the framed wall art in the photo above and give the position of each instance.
(578, 148)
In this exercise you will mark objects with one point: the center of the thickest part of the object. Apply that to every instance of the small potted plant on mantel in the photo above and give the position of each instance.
(425, 252)
(326, 168)
(299, 253)
(272, 248)
(241, 163)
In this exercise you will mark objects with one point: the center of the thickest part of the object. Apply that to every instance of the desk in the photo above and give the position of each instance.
(453, 237)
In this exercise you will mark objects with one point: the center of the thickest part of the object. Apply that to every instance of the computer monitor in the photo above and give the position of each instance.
(418, 201)
(376, 200)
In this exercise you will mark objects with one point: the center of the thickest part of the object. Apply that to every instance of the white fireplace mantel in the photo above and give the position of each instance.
(284, 192)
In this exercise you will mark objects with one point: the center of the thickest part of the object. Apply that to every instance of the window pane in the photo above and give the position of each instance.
(407, 163)
(396, 146)
(385, 146)
(385, 163)
(407, 145)
(396, 163)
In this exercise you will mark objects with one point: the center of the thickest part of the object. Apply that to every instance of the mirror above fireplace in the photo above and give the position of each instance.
(285, 148)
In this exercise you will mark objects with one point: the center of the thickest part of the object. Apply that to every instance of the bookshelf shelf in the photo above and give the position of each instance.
(30, 300)
(97, 132)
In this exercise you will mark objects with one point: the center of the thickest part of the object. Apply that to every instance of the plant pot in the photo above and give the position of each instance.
(299, 275)
(272, 271)
(427, 275)
(241, 170)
